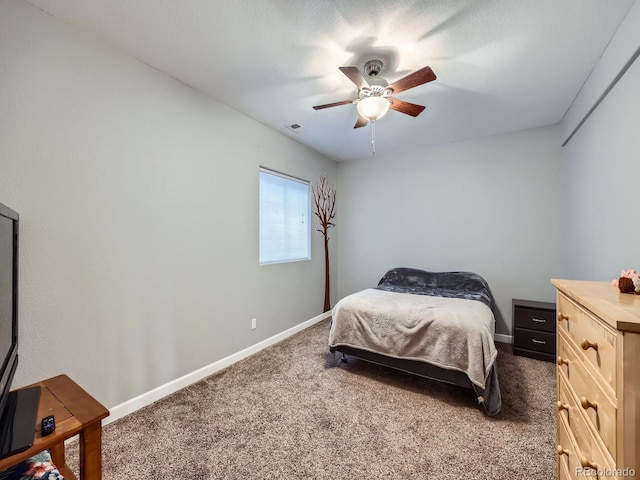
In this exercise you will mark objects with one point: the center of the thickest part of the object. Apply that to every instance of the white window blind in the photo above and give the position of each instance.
(285, 231)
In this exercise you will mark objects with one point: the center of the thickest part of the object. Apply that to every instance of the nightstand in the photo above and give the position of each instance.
(534, 329)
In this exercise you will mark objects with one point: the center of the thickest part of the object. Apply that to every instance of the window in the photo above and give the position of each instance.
(285, 232)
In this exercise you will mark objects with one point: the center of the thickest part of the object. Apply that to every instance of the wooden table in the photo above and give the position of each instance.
(76, 413)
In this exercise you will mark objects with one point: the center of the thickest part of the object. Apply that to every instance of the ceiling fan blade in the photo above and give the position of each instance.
(335, 104)
(355, 76)
(406, 107)
(424, 75)
(361, 122)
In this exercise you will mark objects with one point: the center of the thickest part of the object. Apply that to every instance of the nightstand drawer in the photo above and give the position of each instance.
(534, 328)
(533, 340)
(534, 319)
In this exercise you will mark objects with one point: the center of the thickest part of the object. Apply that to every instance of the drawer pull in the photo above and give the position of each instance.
(562, 316)
(540, 342)
(586, 345)
(562, 361)
(586, 404)
(539, 320)
(562, 451)
(562, 406)
(587, 464)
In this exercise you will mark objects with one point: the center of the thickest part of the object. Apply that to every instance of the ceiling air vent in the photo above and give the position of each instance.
(296, 127)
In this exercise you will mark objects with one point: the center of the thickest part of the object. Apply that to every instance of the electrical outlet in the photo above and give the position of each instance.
(253, 323)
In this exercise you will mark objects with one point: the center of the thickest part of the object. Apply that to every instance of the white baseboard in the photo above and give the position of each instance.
(499, 337)
(156, 394)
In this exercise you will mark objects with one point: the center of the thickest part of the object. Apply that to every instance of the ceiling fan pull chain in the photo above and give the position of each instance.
(373, 137)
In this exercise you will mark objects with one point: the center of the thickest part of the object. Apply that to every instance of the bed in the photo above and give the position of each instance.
(438, 325)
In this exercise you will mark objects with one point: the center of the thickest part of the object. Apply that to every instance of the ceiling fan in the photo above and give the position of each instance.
(375, 94)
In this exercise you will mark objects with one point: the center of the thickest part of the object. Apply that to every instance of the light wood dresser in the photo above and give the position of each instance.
(598, 381)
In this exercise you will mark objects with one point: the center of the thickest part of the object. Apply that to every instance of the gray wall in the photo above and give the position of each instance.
(138, 199)
(491, 205)
(603, 186)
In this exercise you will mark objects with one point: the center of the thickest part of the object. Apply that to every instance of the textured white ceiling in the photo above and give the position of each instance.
(502, 65)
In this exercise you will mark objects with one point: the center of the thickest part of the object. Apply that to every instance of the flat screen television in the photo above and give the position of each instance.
(18, 409)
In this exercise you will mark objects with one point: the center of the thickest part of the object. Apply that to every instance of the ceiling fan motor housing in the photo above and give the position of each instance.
(378, 85)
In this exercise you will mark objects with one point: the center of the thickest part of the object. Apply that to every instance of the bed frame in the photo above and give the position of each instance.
(414, 367)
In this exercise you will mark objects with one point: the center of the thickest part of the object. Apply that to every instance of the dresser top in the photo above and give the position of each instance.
(620, 310)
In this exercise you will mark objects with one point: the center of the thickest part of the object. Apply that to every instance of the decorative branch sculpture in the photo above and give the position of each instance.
(324, 197)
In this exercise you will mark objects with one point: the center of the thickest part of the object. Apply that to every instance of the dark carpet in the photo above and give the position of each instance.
(294, 411)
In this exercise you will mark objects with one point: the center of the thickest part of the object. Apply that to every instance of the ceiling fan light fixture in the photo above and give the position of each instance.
(373, 108)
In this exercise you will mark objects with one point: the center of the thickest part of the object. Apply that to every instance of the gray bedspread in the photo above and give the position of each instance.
(441, 318)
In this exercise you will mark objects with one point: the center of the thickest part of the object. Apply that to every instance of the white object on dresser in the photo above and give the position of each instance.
(598, 381)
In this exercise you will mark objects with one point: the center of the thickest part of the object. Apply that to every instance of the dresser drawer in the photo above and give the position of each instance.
(534, 318)
(544, 342)
(565, 405)
(575, 461)
(587, 407)
(567, 450)
(563, 470)
(596, 341)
